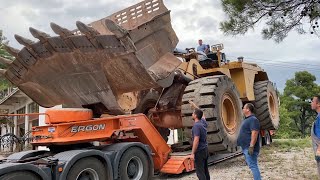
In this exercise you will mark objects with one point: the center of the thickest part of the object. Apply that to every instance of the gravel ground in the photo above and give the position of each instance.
(274, 164)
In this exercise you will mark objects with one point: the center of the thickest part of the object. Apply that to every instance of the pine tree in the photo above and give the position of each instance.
(278, 17)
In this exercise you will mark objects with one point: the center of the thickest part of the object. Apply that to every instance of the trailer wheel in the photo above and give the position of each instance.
(267, 105)
(20, 175)
(220, 100)
(134, 165)
(88, 168)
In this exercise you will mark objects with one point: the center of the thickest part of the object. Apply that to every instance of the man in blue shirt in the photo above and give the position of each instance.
(202, 47)
(200, 146)
(249, 139)
(315, 105)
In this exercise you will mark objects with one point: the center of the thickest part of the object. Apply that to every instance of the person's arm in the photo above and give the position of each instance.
(254, 137)
(206, 50)
(193, 105)
(317, 129)
(255, 128)
(318, 151)
(194, 146)
(196, 138)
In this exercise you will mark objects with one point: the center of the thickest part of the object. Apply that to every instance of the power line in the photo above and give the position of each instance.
(305, 66)
(288, 63)
(287, 66)
(299, 66)
(278, 61)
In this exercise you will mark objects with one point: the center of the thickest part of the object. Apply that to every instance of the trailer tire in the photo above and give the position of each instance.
(134, 164)
(20, 175)
(267, 105)
(89, 167)
(219, 98)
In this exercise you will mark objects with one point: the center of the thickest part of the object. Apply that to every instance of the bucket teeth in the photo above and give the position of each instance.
(118, 31)
(122, 34)
(88, 31)
(13, 51)
(23, 41)
(5, 61)
(42, 36)
(63, 32)
(2, 72)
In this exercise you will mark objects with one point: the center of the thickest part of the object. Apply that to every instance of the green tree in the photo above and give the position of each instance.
(287, 128)
(3, 53)
(296, 100)
(278, 16)
(4, 83)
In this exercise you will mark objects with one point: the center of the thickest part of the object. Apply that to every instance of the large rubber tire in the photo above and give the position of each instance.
(90, 168)
(134, 165)
(148, 101)
(20, 175)
(267, 105)
(220, 100)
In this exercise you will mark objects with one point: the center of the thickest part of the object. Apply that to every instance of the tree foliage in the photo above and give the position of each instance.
(295, 104)
(6, 121)
(287, 128)
(3, 53)
(278, 16)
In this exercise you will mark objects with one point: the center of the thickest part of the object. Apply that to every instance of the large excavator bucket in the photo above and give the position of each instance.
(104, 62)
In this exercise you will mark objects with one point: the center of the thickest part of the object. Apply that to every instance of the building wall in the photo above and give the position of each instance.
(23, 126)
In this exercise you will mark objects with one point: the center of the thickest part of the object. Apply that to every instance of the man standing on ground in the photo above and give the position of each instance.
(200, 146)
(315, 130)
(249, 139)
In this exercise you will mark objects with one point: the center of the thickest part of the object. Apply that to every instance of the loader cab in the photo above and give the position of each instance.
(211, 60)
(214, 58)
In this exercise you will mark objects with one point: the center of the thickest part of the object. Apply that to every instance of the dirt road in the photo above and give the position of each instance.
(277, 162)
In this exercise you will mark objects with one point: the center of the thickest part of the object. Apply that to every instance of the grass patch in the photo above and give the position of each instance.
(291, 144)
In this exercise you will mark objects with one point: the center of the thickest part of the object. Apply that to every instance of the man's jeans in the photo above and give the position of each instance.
(252, 162)
(201, 162)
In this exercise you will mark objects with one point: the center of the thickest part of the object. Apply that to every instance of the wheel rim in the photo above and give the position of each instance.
(88, 174)
(135, 168)
(229, 114)
(272, 105)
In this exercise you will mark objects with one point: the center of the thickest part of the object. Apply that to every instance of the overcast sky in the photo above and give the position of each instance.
(192, 19)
